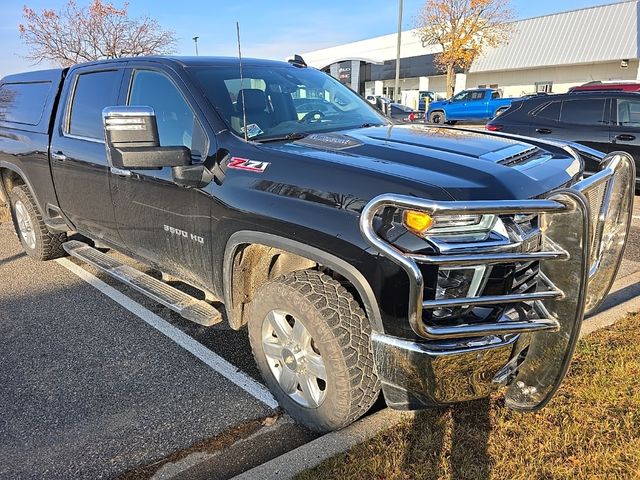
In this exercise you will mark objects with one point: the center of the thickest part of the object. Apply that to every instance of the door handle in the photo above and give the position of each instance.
(58, 156)
(625, 137)
(544, 131)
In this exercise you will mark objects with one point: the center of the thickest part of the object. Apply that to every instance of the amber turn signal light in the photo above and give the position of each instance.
(418, 222)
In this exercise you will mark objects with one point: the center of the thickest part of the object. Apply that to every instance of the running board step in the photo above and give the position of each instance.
(185, 305)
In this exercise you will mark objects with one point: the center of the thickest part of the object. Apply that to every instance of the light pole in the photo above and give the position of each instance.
(195, 40)
(396, 91)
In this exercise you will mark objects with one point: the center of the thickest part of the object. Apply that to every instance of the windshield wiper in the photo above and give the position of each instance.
(281, 138)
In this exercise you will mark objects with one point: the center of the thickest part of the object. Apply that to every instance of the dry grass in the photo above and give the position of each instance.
(591, 430)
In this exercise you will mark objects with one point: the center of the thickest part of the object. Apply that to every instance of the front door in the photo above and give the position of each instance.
(167, 225)
(78, 157)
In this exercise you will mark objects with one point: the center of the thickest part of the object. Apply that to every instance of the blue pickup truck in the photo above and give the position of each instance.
(472, 104)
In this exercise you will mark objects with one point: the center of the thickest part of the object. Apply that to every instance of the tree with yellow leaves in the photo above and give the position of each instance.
(463, 28)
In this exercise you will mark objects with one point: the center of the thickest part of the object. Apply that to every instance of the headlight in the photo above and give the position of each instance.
(457, 228)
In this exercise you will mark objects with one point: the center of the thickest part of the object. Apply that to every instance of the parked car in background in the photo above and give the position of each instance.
(607, 86)
(605, 120)
(403, 113)
(468, 105)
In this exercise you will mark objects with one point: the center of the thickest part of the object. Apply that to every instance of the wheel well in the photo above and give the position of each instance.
(254, 265)
(9, 179)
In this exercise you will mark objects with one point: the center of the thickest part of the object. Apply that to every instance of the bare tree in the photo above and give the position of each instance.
(76, 34)
(463, 28)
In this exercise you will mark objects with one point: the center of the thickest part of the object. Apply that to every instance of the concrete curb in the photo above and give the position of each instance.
(624, 298)
(315, 452)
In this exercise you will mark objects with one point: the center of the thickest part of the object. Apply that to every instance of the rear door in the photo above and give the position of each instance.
(625, 127)
(167, 225)
(583, 119)
(78, 156)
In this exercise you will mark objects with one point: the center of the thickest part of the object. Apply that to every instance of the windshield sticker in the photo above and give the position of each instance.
(253, 130)
(248, 165)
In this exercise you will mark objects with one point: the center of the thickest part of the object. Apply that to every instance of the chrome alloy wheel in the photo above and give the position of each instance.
(27, 232)
(294, 359)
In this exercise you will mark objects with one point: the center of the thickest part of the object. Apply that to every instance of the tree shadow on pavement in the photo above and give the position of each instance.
(450, 443)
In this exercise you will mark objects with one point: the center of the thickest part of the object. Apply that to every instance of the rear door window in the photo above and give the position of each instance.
(92, 93)
(584, 111)
(628, 113)
(23, 102)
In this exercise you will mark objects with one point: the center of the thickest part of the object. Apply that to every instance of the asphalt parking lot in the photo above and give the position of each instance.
(97, 381)
(91, 389)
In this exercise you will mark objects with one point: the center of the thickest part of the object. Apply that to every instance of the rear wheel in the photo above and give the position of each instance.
(311, 342)
(37, 241)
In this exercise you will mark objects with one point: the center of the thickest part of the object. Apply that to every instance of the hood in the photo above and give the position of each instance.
(467, 165)
(438, 103)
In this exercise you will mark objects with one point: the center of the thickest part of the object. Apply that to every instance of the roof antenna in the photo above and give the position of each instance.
(244, 109)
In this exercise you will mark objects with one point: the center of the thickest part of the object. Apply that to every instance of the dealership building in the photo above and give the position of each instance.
(543, 54)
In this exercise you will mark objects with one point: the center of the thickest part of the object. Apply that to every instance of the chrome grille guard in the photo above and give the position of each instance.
(610, 191)
(584, 231)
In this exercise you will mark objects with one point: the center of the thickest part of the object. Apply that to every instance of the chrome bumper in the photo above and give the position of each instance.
(584, 230)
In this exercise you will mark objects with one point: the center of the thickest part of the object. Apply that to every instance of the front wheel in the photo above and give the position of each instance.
(311, 342)
(437, 118)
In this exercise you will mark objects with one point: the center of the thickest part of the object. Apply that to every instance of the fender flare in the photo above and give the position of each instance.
(18, 170)
(312, 253)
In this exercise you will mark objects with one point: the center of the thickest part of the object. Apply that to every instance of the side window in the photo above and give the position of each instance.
(23, 102)
(585, 111)
(629, 113)
(495, 95)
(177, 125)
(550, 111)
(93, 91)
(476, 96)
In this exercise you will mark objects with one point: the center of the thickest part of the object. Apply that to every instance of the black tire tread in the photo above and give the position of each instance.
(351, 330)
(48, 244)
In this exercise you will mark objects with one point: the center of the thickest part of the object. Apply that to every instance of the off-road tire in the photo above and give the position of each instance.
(438, 118)
(342, 335)
(48, 245)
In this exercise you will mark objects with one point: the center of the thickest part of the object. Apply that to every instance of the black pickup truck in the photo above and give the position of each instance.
(434, 264)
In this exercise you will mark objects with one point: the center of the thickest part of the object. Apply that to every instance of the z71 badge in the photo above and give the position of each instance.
(248, 165)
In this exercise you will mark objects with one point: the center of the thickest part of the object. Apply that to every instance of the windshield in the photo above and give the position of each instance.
(282, 101)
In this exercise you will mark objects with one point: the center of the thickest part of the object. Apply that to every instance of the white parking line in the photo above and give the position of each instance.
(216, 362)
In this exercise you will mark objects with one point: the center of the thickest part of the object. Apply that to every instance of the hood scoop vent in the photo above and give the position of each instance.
(328, 141)
(514, 155)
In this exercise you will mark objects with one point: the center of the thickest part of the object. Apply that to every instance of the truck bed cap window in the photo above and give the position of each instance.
(23, 102)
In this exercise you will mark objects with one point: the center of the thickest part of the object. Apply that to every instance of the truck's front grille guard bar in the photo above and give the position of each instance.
(409, 262)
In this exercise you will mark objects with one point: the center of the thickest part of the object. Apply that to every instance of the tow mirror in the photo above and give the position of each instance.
(132, 141)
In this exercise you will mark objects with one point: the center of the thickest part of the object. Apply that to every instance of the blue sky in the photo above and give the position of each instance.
(270, 28)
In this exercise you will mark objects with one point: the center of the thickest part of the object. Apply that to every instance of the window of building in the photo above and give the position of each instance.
(584, 111)
(629, 113)
(23, 102)
(174, 117)
(544, 87)
(550, 111)
(93, 92)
